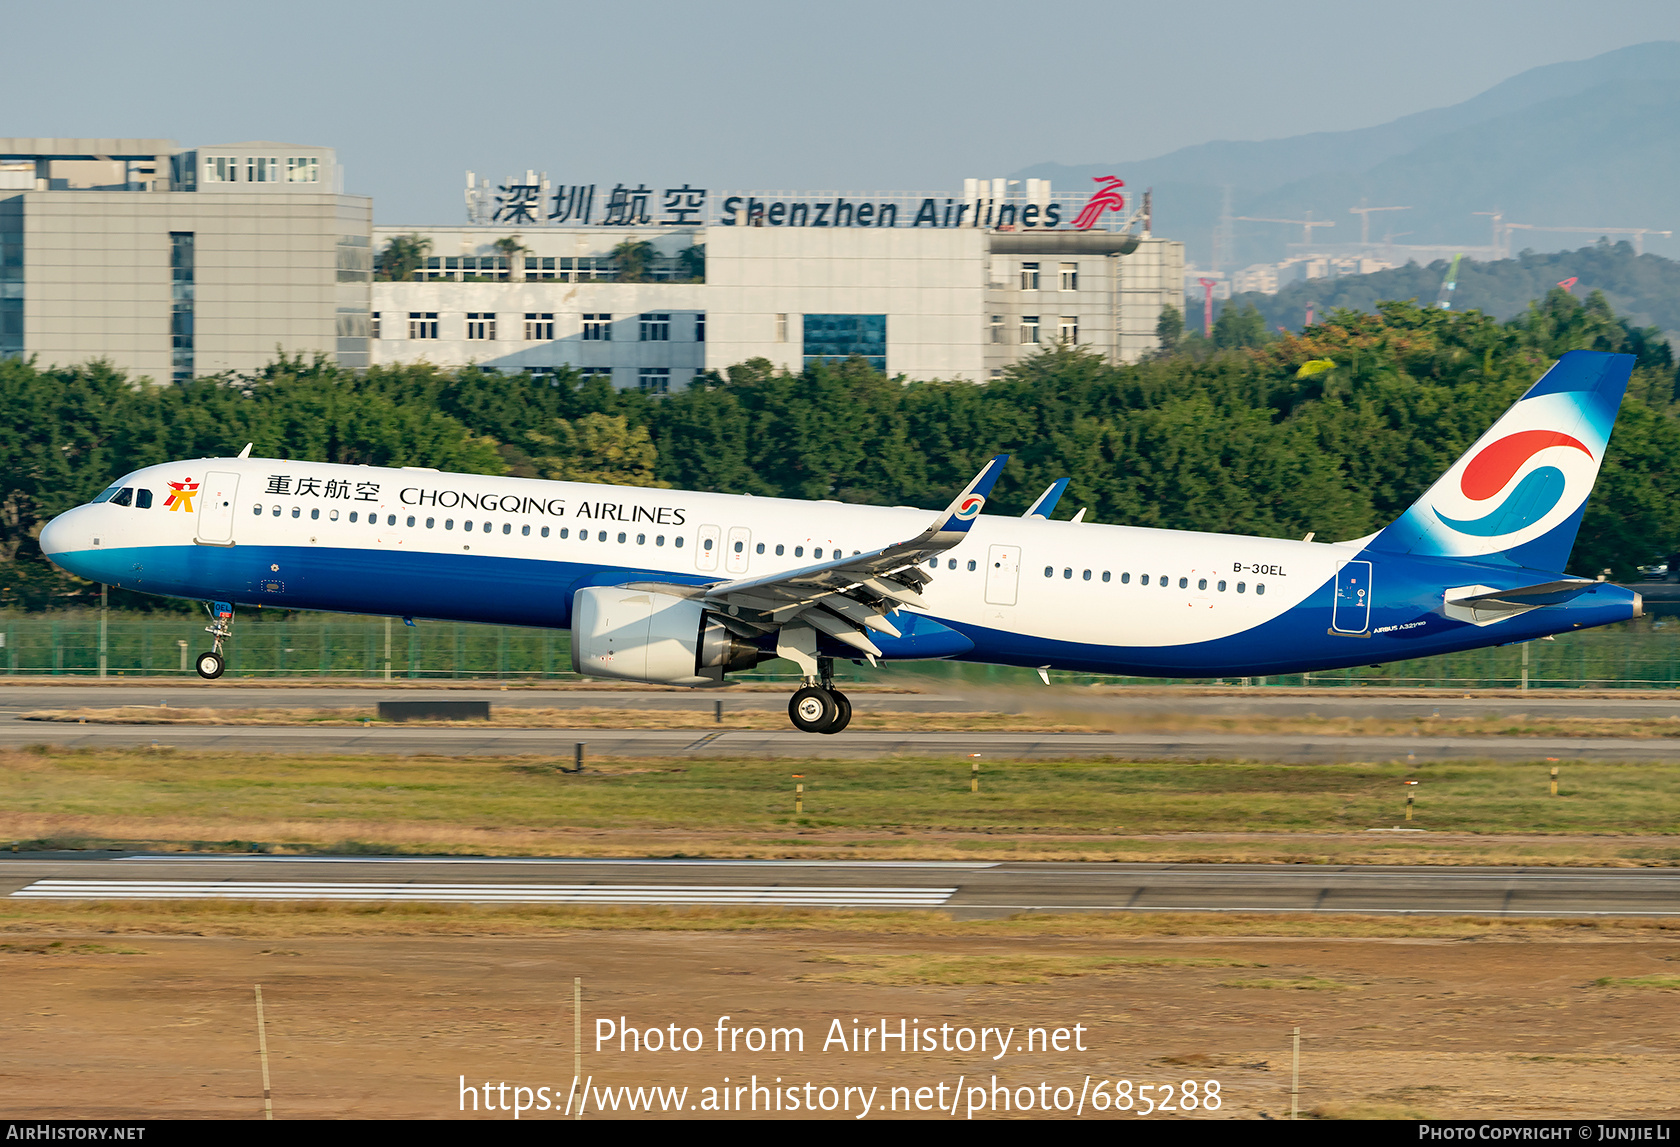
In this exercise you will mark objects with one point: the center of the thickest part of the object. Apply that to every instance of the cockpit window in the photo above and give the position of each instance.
(123, 497)
(142, 499)
(106, 496)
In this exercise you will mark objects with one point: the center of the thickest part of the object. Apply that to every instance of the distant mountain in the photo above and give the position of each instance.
(1588, 143)
(1643, 289)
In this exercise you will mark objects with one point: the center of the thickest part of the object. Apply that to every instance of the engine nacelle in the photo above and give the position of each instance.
(662, 638)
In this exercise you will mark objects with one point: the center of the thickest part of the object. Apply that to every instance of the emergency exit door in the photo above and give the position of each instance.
(1003, 574)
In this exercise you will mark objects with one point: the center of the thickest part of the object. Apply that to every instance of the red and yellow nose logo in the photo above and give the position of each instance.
(181, 495)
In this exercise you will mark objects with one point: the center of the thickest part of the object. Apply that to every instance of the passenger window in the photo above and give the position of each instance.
(332, 515)
(277, 511)
(601, 535)
(352, 514)
(679, 542)
(430, 523)
(565, 532)
(1087, 575)
(659, 539)
(545, 531)
(798, 551)
(449, 523)
(315, 514)
(467, 525)
(390, 519)
(817, 553)
(760, 547)
(525, 531)
(411, 521)
(1105, 575)
(1126, 579)
(1221, 587)
(1242, 587)
(1259, 587)
(142, 499)
(779, 550)
(1067, 572)
(1144, 580)
(257, 510)
(707, 544)
(740, 547)
(641, 539)
(1162, 581)
(1183, 583)
(297, 511)
(487, 526)
(1049, 571)
(1201, 583)
(125, 496)
(507, 527)
(972, 567)
(952, 564)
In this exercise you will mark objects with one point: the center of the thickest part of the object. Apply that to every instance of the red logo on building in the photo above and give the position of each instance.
(1106, 198)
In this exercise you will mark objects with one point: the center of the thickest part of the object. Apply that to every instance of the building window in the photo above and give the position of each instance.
(262, 169)
(537, 267)
(373, 325)
(654, 380)
(539, 326)
(303, 169)
(481, 325)
(655, 328)
(781, 328)
(830, 337)
(589, 372)
(1070, 276)
(221, 169)
(997, 328)
(183, 290)
(1029, 276)
(597, 328)
(1069, 329)
(422, 324)
(700, 328)
(1029, 328)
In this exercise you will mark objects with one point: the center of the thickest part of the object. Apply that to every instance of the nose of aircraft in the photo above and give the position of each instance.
(63, 538)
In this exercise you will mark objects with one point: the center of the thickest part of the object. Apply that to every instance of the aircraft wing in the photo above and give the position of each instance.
(847, 597)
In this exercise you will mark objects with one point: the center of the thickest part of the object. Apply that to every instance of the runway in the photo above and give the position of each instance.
(964, 889)
(401, 741)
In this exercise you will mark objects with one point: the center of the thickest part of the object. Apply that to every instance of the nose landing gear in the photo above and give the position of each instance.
(819, 707)
(211, 664)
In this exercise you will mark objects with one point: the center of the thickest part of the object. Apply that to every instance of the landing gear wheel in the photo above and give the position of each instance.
(210, 666)
(842, 714)
(812, 710)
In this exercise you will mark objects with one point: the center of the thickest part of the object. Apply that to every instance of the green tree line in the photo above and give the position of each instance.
(1213, 435)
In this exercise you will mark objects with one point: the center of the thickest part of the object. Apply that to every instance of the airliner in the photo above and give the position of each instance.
(684, 588)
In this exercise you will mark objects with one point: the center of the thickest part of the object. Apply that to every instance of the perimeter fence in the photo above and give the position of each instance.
(1643, 654)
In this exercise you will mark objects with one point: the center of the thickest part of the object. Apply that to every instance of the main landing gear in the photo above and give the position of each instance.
(220, 629)
(819, 707)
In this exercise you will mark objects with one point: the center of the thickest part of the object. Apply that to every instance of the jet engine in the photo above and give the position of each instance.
(661, 638)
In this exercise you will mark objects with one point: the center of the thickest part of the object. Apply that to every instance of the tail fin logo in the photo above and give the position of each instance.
(1490, 472)
(970, 508)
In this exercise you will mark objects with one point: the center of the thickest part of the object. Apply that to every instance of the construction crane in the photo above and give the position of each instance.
(1449, 285)
(1364, 214)
(1306, 225)
(1638, 233)
(1207, 306)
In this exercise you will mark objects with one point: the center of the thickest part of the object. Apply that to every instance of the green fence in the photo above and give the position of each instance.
(1638, 654)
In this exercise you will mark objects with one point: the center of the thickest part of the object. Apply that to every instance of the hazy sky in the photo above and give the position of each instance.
(860, 95)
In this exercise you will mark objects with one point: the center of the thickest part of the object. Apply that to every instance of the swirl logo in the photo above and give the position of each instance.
(970, 508)
(1491, 471)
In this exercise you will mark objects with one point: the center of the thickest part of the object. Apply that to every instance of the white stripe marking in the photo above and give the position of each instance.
(484, 893)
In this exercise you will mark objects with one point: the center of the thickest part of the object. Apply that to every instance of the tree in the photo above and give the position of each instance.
(1239, 327)
(692, 260)
(1169, 328)
(510, 248)
(402, 256)
(635, 260)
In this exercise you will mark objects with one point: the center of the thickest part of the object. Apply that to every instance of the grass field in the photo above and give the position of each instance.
(901, 807)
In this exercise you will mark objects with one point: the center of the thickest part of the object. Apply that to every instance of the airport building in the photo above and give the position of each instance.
(173, 263)
(177, 263)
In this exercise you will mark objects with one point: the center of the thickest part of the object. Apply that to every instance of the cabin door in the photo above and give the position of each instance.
(215, 508)
(1352, 612)
(1003, 574)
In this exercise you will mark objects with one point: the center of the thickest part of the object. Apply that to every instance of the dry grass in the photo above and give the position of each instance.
(912, 968)
(1296, 984)
(1660, 983)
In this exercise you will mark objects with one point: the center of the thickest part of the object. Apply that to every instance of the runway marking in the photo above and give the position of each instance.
(242, 858)
(704, 741)
(716, 894)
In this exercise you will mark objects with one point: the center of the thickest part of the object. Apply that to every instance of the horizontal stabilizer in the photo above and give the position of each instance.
(1526, 597)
